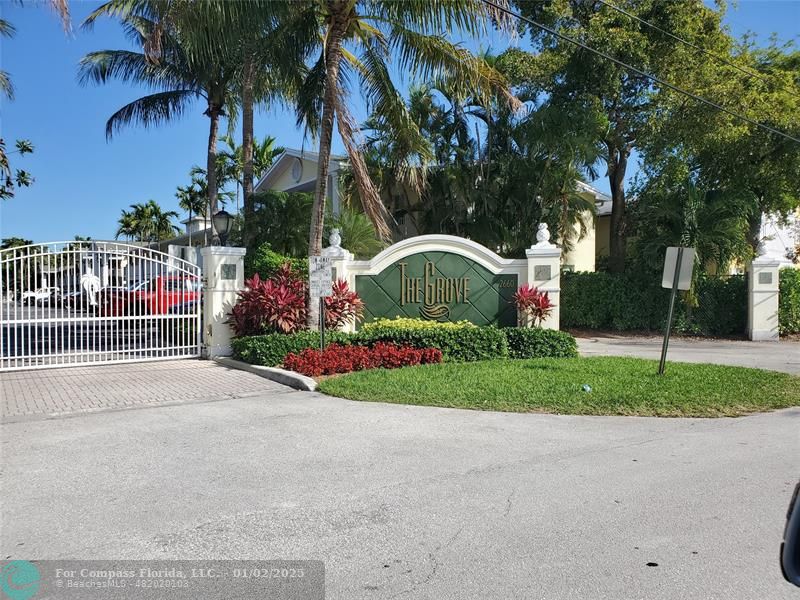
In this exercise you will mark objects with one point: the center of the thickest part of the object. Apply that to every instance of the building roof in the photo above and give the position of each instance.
(602, 201)
(284, 161)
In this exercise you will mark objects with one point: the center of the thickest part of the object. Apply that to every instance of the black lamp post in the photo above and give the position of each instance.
(223, 223)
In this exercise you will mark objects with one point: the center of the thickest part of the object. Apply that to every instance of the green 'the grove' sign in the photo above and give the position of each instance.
(440, 286)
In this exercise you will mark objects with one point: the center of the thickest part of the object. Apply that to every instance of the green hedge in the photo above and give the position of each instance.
(540, 343)
(265, 261)
(457, 344)
(636, 301)
(789, 309)
(270, 349)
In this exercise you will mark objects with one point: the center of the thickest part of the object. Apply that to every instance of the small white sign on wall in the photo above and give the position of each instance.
(320, 276)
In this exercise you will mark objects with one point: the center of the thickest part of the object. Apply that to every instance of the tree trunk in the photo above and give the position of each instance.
(617, 165)
(754, 229)
(211, 169)
(333, 55)
(249, 233)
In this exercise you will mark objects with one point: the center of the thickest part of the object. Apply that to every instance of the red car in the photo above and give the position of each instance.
(155, 296)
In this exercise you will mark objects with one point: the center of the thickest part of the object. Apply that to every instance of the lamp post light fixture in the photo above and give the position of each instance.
(223, 223)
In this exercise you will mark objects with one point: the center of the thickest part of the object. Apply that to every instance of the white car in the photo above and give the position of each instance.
(40, 295)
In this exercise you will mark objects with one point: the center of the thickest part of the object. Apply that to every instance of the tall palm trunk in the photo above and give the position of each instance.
(333, 57)
(213, 113)
(247, 152)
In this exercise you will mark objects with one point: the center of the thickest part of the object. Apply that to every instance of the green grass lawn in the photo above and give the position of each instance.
(619, 386)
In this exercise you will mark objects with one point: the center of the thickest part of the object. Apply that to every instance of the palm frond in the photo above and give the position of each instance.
(6, 87)
(370, 197)
(128, 66)
(151, 110)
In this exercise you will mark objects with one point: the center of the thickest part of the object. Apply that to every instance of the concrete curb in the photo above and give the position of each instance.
(282, 376)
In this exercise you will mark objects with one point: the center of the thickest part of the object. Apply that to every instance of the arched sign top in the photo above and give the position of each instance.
(439, 243)
(439, 278)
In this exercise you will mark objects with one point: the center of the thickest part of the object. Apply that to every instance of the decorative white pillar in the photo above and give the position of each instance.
(544, 272)
(762, 298)
(340, 260)
(223, 277)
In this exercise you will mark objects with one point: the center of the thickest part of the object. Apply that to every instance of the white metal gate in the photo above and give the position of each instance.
(79, 303)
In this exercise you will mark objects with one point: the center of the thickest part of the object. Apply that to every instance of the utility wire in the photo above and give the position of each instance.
(653, 78)
(717, 57)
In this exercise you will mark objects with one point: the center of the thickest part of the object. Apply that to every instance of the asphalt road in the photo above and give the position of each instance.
(415, 502)
(774, 356)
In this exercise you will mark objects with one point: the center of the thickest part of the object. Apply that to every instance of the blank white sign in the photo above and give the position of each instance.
(685, 271)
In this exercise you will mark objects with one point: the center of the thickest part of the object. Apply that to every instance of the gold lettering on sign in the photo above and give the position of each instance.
(431, 290)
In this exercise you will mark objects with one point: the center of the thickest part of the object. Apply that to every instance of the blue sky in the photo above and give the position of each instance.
(83, 181)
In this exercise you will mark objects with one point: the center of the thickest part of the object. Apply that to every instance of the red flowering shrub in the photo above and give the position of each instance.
(344, 359)
(533, 303)
(277, 305)
(343, 306)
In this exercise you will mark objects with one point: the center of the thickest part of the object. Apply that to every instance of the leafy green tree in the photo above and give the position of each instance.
(624, 105)
(726, 153)
(282, 220)
(489, 182)
(14, 242)
(683, 213)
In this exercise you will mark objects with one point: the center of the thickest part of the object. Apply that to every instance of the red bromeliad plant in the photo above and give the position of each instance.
(343, 306)
(277, 305)
(533, 304)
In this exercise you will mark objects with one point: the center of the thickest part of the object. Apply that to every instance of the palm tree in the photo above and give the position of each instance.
(375, 29)
(147, 222)
(192, 199)
(127, 226)
(357, 232)
(231, 160)
(358, 37)
(183, 70)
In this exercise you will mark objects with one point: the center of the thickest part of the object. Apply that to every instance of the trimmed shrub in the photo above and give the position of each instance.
(270, 350)
(344, 359)
(266, 262)
(789, 300)
(532, 342)
(457, 344)
(636, 301)
(406, 323)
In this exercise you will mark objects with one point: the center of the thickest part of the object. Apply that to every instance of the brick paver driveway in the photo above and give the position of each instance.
(26, 395)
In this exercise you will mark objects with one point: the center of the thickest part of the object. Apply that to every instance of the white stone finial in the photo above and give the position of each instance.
(334, 249)
(335, 239)
(543, 237)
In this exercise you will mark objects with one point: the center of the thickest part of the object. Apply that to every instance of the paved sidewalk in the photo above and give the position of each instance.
(775, 356)
(37, 394)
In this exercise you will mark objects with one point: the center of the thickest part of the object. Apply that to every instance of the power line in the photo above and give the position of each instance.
(748, 72)
(653, 78)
